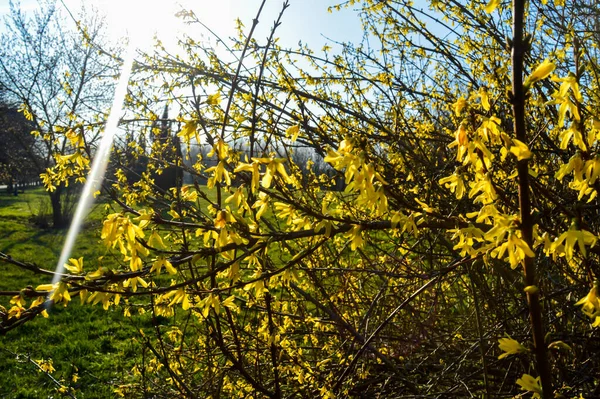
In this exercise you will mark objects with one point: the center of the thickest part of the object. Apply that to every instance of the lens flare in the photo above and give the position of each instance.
(98, 168)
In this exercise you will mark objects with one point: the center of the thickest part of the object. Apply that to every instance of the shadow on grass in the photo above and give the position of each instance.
(48, 239)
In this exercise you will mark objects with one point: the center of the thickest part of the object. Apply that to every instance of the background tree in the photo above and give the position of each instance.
(63, 86)
(18, 149)
(460, 259)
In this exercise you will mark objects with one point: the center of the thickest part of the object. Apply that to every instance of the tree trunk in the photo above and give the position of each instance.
(527, 223)
(57, 216)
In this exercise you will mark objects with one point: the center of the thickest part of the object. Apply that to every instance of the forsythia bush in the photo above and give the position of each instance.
(447, 250)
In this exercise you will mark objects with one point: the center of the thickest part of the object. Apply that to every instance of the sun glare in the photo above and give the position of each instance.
(136, 19)
(142, 20)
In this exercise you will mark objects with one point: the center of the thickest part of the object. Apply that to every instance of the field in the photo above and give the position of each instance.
(88, 346)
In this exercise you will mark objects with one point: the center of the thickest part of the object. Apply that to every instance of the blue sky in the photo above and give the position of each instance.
(305, 20)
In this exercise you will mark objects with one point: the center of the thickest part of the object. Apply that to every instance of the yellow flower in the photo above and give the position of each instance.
(189, 131)
(155, 240)
(491, 6)
(75, 266)
(520, 150)
(485, 98)
(541, 72)
(221, 219)
(214, 99)
(45, 365)
(531, 384)
(565, 243)
(510, 347)
(460, 105)
(590, 303)
(455, 183)
(293, 132)
(461, 135)
(531, 289)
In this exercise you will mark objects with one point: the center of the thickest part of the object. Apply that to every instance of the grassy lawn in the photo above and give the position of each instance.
(91, 349)
(23, 240)
(87, 341)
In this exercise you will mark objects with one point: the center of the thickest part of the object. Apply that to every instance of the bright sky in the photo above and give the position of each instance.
(306, 20)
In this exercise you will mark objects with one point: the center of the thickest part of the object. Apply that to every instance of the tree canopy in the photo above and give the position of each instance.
(62, 84)
(18, 146)
(458, 258)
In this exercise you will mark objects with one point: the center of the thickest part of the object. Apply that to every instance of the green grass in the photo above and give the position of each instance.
(21, 239)
(86, 340)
